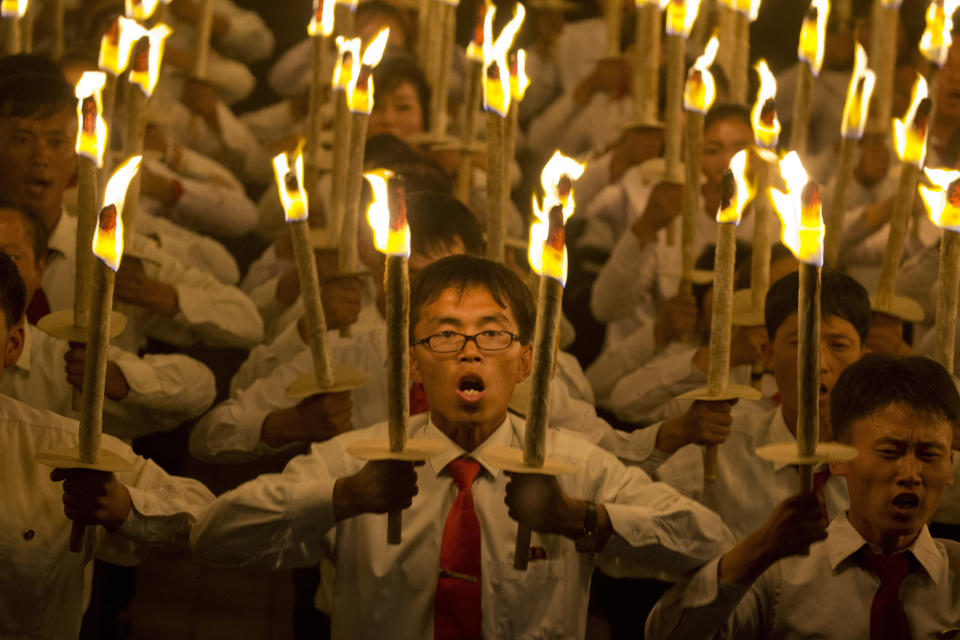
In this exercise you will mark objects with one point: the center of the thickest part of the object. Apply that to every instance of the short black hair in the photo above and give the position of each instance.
(35, 95)
(437, 220)
(32, 222)
(396, 69)
(873, 383)
(840, 296)
(13, 292)
(463, 271)
(420, 172)
(727, 111)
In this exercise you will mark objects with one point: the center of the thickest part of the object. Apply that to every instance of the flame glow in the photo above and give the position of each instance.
(548, 251)
(348, 52)
(293, 194)
(117, 44)
(813, 35)
(660, 4)
(749, 8)
(91, 130)
(496, 72)
(475, 47)
(13, 8)
(800, 211)
(936, 38)
(737, 192)
(700, 90)
(943, 200)
(519, 81)
(387, 213)
(140, 9)
(360, 85)
(910, 133)
(681, 14)
(860, 89)
(766, 125)
(147, 57)
(321, 20)
(108, 239)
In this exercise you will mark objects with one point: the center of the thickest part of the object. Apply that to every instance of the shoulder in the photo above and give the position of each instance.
(14, 412)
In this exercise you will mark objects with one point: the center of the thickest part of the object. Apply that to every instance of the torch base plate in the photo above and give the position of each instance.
(786, 453)
(70, 459)
(698, 276)
(59, 324)
(902, 307)
(344, 379)
(730, 392)
(414, 450)
(511, 459)
(744, 315)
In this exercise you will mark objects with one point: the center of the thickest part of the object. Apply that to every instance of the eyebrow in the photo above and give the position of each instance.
(456, 322)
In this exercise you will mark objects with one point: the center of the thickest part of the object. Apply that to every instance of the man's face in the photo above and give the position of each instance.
(720, 143)
(398, 113)
(37, 160)
(15, 242)
(839, 347)
(904, 463)
(469, 389)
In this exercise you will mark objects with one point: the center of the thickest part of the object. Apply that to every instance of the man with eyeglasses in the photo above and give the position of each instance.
(452, 575)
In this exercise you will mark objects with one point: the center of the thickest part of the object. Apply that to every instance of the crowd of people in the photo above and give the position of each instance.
(638, 541)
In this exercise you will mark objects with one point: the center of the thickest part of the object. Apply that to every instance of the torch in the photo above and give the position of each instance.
(108, 247)
(736, 193)
(468, 115)
(445, 38)
(116, 46)
(360, 103)
(698, 95)
(345, 17)
(803, 232)
(204, 33)
(736, 16)
(58, 12)
(646, 84)
(348, 54)
(935, 43)
(519, 82)
(496, 101)
(813, 36)
(943, 206)
(13, 11)
(855, 113)
(140, 10)
(320, 29)
(883, 53)
(910, 140)
(613, 15)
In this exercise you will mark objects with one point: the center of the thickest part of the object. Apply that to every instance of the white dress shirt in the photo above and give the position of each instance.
(165, 389)
(42, 584)
(287, 520)
(826, 594)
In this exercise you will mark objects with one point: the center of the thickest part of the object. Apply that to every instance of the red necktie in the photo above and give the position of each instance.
(888, 620)
(418, 399)
(456, 612)
(39, 306)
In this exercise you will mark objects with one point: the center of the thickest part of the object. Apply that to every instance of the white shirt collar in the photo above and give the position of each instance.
(63, 236)
(503, 436)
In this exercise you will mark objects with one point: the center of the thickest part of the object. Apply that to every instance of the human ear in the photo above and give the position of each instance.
(415, 367)
(14, 346)
(526, 362)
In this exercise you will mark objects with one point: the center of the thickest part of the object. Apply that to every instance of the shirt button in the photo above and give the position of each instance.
(28, 534)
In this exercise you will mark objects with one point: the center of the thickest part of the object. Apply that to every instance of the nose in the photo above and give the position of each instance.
(470, 351)
(909, 471)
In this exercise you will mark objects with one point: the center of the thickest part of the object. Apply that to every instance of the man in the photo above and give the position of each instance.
(471, 321)
(795, 577)
(43, 587)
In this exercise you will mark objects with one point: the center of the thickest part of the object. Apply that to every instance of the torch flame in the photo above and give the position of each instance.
(661, 4)
(293, 194)
(108, 239)
(13, 8)
(860, 89)
(496, 72)
(147, 57)
(321, 20)
(766, 126)
(936, 38)
(348, 53)
(387, 213)
(351, 4)
(92, 130)
(749, 8)
(910, 133)
(813, 35)
(943, 200)
(140, 9)
(117, 44)
(736, 192)
(700, 89)
(547, 251)
(519, 81)
(799, 210)
(681, 14)
(360, 85)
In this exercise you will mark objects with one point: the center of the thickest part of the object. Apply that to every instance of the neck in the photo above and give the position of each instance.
(468, 435)
(790, 418)
(888, 542)
(51, 218)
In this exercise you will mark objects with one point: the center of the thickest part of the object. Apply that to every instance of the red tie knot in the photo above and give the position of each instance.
(890, 568)
(463, 471)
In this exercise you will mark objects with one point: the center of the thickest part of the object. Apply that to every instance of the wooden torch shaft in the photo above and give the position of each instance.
(899, 221)
(496, 186)
(762, 241)
(345, 19)
(87, 188)
(342, 135)
(833, 239)
(468, 129)
(58, 11)
(314, 121)
(313, 307)
(741, 59)
(691, 199)
(136, 130)
(13, 36)
(614, 19)
(808, 368)
(648, 63)
(109, 108)
(800, 125)
(446, 38)
(883, 61)
(204, 33)
(948, 283)
(397, 287)
(353, 191)
(675, 76)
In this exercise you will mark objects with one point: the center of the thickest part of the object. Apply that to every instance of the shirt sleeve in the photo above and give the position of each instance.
(642, 395)
(625, 280)
(247, 37)
(615, 363)
(265, 358)
(172, 388)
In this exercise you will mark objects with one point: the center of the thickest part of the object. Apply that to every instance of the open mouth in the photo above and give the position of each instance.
(470, 387)
(37, 186)
(824, 393)
(906, 501)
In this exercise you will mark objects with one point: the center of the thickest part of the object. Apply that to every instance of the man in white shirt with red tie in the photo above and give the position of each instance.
(875, 572)
(452, 576)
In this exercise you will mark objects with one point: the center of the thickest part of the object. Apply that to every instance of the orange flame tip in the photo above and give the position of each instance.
(700, 89)
(13, 8)
(496, 71)
(736, 190)
(108, 239)
(813, 35)
(147, 57)
(387, 213)
(293, 193)
(360, 85)
(547, 251)
(91, 130)
(681, 14)
(936, 39)
(942, 198)
(910, 133)
(800, 212)
(857, 104)
(321, 20)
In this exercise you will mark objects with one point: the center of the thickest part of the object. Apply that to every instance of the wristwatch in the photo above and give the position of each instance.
(587, 541)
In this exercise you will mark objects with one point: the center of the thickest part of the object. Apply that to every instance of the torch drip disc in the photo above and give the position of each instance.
(59, 324)
(786, 453)
(730, 392)
(907, 309)
(344, 379)
(511, 459)
(70, 459)
(413, 451)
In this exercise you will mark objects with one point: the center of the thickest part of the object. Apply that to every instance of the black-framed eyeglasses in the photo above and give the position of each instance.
(453, 342)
